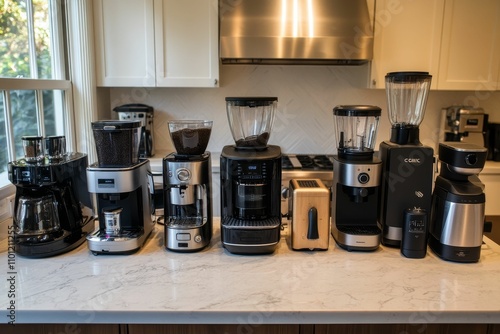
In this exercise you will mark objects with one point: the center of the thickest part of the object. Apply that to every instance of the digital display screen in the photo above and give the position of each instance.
(252, 169)
(105, 183)
(472, 121)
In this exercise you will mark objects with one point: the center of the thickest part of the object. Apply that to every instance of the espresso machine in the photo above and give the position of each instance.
(144, 114)
(407, 164)
(52, 209)
(119, 185)
(458, 201)
(464, 124)
(356, 178)
(250, 178)
(187, 176)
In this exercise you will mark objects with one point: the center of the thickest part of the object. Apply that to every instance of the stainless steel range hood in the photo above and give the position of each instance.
(335, 32)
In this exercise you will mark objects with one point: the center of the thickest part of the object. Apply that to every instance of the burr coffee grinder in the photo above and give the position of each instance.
(407, 164)
(250, 178)
(187, 177)
(356, 178)
(119, 184)
(458, 200)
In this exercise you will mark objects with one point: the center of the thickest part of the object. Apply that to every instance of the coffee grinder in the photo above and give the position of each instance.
(407, 165)
(250, 178)
(356, 178)
(144, 114)
(458, 201)
(119, 184)
(52, 209)
(187, 177)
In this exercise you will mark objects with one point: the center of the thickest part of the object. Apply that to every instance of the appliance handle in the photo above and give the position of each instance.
(312, 231)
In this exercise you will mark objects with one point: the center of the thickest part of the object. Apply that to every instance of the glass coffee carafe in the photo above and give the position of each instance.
(36, 216)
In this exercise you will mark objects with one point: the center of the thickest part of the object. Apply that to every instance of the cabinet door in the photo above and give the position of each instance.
(124, 43)
(186, 39)
(470, 48)
(407, 36)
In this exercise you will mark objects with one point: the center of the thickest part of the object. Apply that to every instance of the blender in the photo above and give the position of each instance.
(250, 178)
(457, 215)
(407, 165)
(187, 182)
(356, 178)
(120, 187)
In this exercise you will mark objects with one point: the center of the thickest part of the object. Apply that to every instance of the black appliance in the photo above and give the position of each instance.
(356, 178)
(144, 114)
(52, 209)
(457, 217)
(250, 179)
(407, 164)
(493, 141)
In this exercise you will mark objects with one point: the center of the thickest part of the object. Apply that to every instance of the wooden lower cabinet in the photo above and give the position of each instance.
(213, 329)
(63, 329)
(251, 329)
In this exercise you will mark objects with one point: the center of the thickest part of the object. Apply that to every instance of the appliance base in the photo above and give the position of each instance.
(125, 243)
(242, 249)
(187, 239)
(453, 253)
(361, 238)
(63, 244)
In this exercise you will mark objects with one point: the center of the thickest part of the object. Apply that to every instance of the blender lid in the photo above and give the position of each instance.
(357, 110)
(115, 125)
(133, 107)
(251, 101)
(408, 76)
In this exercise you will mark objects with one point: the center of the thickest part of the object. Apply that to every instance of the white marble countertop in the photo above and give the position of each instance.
(214, 286)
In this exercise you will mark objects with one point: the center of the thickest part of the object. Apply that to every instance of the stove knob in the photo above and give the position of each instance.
(363, 178)
(183, 174)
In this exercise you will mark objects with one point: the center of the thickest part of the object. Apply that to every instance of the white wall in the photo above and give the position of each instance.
(306, 97)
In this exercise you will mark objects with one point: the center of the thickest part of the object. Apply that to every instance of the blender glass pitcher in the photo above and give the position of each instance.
(355, 130)
(406, 100)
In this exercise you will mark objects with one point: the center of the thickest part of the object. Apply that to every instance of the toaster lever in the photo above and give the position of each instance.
(312, 231)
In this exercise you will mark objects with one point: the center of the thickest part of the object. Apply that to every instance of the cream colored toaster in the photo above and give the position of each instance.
(309, 207)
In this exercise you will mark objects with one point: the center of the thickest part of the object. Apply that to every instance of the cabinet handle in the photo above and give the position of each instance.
(215, 82)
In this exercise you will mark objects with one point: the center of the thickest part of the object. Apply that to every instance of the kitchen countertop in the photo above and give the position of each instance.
(214, 286)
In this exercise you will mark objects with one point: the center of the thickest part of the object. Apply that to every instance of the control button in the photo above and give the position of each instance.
(363, 192)
(183, 174)
(197, 238)
(471, 159)
(183, 236)
(363, 178)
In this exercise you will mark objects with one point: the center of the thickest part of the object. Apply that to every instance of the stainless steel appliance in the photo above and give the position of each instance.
(457, 217)
(250, 174)
(310, 214)
(272, 32)
(120, 187)
(464, 124)
(144, 114)
(407, 165)
(356, 178)
(187, 176)
(52, 209)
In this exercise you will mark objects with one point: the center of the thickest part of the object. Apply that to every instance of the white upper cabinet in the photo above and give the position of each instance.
(470, 46)
(456, 41)
(156, 43)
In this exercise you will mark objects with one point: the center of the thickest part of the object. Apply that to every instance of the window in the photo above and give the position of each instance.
(34, 90)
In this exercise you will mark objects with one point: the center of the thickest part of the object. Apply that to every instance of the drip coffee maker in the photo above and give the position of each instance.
(250, 178)
(119, 184)
(458, 201)
(52, 209)
(187, 177)
(356, 178)
(407, 165)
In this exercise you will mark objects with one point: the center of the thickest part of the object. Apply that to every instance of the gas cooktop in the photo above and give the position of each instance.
(307, 162)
